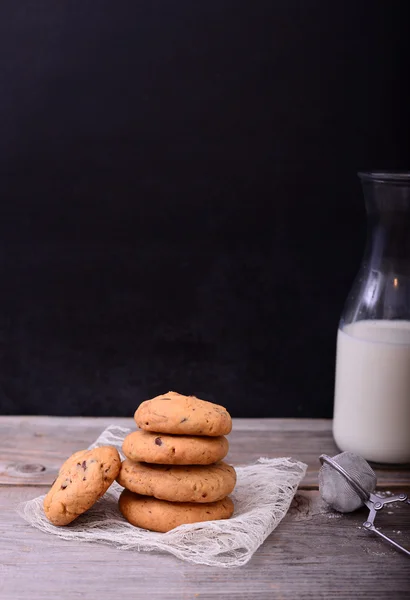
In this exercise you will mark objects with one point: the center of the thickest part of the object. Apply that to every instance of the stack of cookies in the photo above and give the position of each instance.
(174, 473)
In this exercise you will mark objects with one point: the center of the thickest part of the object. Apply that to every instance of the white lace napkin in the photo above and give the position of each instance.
(262, 497)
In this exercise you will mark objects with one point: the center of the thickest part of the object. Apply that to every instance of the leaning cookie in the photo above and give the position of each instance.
(177, 483)
(167, 449)
(81, 481)
(159, 515)
(186, 415)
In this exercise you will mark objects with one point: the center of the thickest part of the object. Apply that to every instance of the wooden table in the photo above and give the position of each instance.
(313, 553)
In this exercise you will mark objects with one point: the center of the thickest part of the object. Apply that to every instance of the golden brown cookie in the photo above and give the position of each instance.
(177, 483)
(82, 480)
(186, 415)
(159, 515)
(167, 449)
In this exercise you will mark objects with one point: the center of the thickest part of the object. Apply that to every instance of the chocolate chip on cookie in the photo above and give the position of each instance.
(187, 415)
(82, 480)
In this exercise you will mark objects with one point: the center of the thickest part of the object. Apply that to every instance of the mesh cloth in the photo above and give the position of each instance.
(262, 497)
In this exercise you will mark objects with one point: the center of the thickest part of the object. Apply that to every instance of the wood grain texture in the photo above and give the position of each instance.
(312, 554)
(33, 448)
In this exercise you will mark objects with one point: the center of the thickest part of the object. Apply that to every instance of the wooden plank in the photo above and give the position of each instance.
(33, 448)
(312, 554)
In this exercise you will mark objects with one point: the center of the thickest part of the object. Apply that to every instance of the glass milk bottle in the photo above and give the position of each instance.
(372, 389)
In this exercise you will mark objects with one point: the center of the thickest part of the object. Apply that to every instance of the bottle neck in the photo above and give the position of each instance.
(388, 242)
(388, 226)
(381, 290)
(387, 196)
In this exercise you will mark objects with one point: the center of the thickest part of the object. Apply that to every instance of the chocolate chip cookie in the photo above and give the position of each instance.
(177, 483)
(186, 415)
(159, 515)
(81, 481)
(167, 449)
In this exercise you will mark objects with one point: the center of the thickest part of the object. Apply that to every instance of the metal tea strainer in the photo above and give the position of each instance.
(347, 482)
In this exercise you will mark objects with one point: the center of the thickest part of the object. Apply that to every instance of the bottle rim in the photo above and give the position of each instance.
(385, 176)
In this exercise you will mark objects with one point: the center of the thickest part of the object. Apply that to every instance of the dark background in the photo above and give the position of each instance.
(179, 200)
